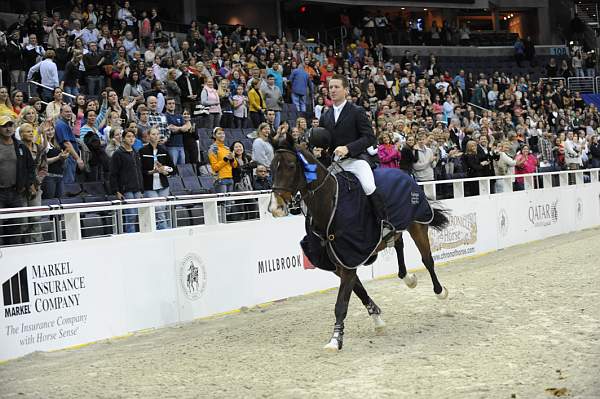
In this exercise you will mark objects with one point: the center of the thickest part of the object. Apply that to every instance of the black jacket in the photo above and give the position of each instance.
(126, 172)
(353, 129)
(473, 165)
(185, 91)
(25, 166)
(147, 163)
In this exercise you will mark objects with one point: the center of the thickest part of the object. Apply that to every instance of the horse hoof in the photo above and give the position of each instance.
(443, 294)
(333, 346)
(410, 280)
(379, 324)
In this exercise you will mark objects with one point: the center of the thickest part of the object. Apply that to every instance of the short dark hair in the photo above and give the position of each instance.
(129, 130)
(343, 79)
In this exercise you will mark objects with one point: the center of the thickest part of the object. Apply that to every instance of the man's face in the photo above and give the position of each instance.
(32, 40)
(271, 116)
(171, 105)
(66, 113)
(152, 104)
(337, 91)
(271, 81)
(261, 171)
(129, 138)
(149, 73)
(7, 130)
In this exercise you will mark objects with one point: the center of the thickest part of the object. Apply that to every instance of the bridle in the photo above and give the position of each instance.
(310, 192)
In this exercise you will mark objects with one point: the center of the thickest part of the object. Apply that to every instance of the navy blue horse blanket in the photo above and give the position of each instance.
(354, 233)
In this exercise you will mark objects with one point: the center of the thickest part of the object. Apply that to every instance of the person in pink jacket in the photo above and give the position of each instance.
(526, 163)
(388, 153)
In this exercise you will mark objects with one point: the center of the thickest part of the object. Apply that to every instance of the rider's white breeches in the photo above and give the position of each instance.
(362, 170)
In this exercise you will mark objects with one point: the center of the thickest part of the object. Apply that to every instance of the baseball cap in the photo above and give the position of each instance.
(4, 119)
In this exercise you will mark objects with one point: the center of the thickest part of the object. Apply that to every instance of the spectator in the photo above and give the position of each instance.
(32, 229)
(66, 139)
(262, 180)
(387, 151)
(256, 104)
(177, 127)
(222, 161)
(475, 167)
(525, 163)
(301, 87)
(54, 107)
(190, 87)
(273, 99)
(52, 185)
(210, 99)
(225, 103)
(425, 160)
(240, 107)
(262, 150)
(17, 178)
(126, 178)
(133, 90)
(173, 90)
(48, 72)
(572, 152)
(156, 166)
(242, 173)
(92, 62)
(408, 155)
(519, 51)
(157, 119)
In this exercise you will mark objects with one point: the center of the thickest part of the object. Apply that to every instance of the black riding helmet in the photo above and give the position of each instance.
(319, 137)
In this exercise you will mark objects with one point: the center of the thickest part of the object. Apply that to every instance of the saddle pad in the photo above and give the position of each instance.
(404, 198)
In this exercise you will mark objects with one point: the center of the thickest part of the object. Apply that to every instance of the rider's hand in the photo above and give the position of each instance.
(341, 151)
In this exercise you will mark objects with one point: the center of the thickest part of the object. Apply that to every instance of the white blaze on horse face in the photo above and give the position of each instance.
(277, 206)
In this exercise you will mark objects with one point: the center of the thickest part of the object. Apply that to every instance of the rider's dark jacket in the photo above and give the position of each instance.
(353, 129)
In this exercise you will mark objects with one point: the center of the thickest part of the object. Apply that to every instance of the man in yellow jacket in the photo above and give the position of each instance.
(222, 161)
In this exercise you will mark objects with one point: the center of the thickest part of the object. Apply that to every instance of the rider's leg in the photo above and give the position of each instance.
(363, 172)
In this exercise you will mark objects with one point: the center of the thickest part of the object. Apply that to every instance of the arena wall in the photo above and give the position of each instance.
(66, 294)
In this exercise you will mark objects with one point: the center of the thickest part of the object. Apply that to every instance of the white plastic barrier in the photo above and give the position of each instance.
(69, 293)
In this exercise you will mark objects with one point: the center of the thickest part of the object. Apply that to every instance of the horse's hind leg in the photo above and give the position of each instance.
(347, 281)
(419, 234)
(409, 279)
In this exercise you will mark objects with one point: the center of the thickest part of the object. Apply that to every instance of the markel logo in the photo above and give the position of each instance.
(192, 276)
(15, 291)
(543, 214)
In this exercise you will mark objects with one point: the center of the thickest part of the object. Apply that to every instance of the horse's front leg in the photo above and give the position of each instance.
(347, 280)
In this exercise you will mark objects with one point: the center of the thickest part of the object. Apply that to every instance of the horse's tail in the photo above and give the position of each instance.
(440, 216)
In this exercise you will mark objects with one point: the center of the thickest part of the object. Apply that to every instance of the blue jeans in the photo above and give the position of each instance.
(161, 211)
(69, 170)
(277, 121)
(224, 185)
(71, 90)
(130, 215)
(95, 84)
(177, 154)
(299, 101)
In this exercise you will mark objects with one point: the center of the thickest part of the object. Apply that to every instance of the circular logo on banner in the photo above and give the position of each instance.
(579, 209)
(503, 222)
(192, 276)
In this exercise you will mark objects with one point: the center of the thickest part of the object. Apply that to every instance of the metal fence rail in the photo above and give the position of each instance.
(69, 222)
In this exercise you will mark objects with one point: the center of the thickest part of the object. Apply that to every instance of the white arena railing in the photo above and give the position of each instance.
(68, 222)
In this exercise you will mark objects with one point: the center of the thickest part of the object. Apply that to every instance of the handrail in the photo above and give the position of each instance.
(45, 87)
(477, 106)
(108, 205)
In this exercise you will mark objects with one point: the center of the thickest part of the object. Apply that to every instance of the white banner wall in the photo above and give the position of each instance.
(64, 294)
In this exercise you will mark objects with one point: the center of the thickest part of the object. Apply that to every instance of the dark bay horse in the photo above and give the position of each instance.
(289, 178)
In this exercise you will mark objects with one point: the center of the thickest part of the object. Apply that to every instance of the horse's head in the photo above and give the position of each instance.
(288, 175)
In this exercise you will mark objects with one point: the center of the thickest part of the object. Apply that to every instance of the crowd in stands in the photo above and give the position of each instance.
(127, 104)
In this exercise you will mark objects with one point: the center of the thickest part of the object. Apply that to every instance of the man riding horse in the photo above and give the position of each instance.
(351, 134)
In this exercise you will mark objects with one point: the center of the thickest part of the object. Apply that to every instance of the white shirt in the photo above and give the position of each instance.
(337, 110)
(48, 72)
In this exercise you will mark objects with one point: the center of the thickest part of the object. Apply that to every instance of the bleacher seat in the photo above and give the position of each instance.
(71, 200)
(207, 182)
(72, 189)
(192, 184)
(176, 185)
(186, 170)
(94, 188)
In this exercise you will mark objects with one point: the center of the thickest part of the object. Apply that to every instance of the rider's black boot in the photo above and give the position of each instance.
(380, 210)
